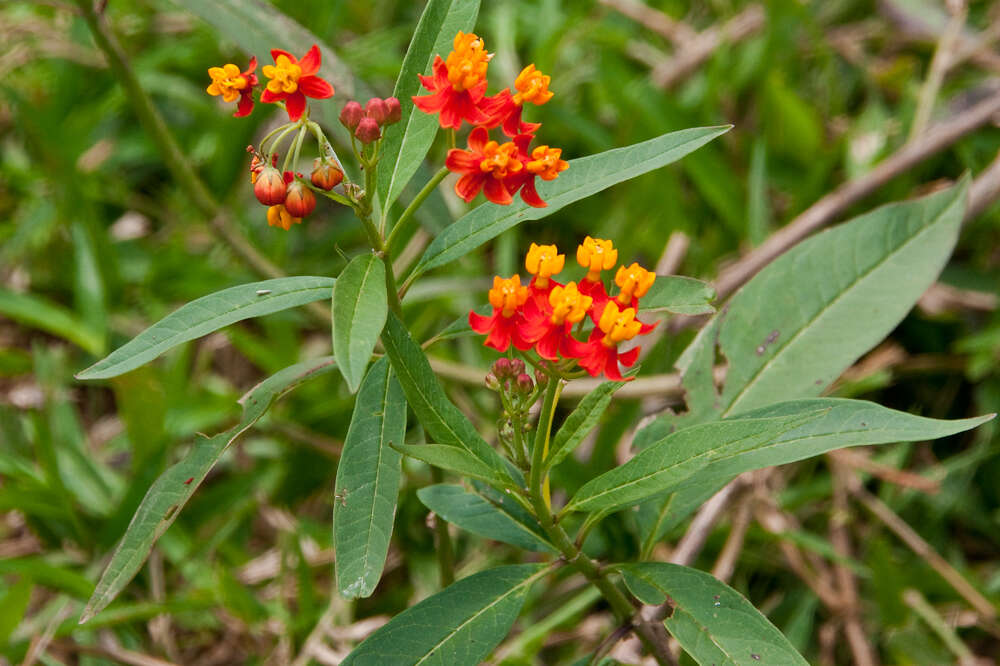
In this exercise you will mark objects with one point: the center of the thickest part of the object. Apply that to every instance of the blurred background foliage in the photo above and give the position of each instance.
(98, 240)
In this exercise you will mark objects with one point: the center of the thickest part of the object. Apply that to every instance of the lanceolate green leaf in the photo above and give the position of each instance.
(475, 514)
(367, 484)
(440, 418)
(359, 309)
(207, 314)
(459, 625)
(679, 295)
(405, 144)
(586, 176)
(711, 621)
(805, 318)
(580, 422)
(838, 423)
(668, 463)
(171, 491)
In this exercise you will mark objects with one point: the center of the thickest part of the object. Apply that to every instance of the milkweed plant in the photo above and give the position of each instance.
(781, 339)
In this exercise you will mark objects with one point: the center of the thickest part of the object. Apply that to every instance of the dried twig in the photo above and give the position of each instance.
(860, 461)
(833, 204)
(940, 64)
(690, 57)
(861, 650)
(924, 550)
(725, 565)
(676, 31)
(939, 626)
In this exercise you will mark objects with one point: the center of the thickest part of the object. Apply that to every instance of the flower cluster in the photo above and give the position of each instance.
(542, 314)
(457, 90)
(291, 80)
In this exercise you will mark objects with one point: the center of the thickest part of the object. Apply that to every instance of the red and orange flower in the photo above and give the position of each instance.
(505, 109)
(458, 84)
(292, 80)
(233, 84)
(486, 166)
(543, 315)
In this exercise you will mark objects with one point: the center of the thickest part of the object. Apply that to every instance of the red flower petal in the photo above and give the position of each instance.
(295, 104)
(430, 103)
(277, 52)
(530, 195)
(468, 186)
(481, 323)
(252, 66)
(244, 106)
(315, 87)
(478, 138)
(496, 192)
(271, 97)
(462, 161)
(310, 61)
(629, 358)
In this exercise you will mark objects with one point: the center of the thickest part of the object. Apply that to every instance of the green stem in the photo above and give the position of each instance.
(416, 203)
(445, 554)
(277, 141)
(619, 602)
(267, 137)
(292, 158)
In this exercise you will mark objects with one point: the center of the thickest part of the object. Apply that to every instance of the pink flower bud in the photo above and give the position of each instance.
(351, 115)
(501, 367)
(368, 131)
(269, 187)
(395, 111)
(524, 383)
(516, 366)
(541, 378)
(300, 200)
(377, 110)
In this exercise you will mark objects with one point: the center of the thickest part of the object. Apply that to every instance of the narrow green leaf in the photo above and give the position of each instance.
(367, 484)
(679, 295)
(711, 621)
(455, 459)
(39, 313)
(208, 314)
(476, 514)
(580, 422)
(359, 310)
(459, 625)
(816, 309)
(406, 143)
(442, 420)
(840, 423)
(171, 491)
(586, 176)
(14, 607)
(668, 463)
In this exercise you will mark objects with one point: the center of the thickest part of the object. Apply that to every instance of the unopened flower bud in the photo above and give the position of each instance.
(501, 367)
(395, 111)
(492, 382)
(368, 131)
(541, 378)
(269, 186)
(524, 383)
(351, 115)
(377, 110)
(300, 200)
(325, 175)
(516, 366)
